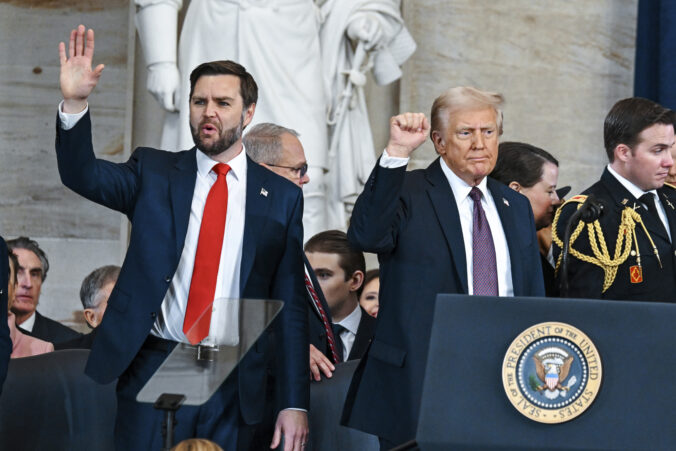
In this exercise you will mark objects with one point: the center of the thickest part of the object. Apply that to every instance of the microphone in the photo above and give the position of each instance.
(589, 211)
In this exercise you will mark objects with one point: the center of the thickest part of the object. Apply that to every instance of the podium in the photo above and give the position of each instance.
(474, 340)
(191, 374)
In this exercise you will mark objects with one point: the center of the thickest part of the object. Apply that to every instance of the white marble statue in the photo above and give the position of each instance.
(300, 53)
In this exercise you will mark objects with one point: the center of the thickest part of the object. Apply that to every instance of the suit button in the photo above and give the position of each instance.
(167, 279)
(153, 315)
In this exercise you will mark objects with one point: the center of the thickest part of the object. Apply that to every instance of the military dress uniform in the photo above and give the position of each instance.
(625, 254)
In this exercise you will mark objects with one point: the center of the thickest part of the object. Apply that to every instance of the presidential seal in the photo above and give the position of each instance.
(551, 372)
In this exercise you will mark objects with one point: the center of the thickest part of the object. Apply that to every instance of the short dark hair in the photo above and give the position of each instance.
(23, 242)
(520, 162)
(14, 261)
(92, 284)
(335, 242)
(628, 118)
(247, 85)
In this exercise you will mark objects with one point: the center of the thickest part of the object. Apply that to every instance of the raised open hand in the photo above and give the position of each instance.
(407, 132)
(77, 78)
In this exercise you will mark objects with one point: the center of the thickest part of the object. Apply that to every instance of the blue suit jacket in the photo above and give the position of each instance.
(154, 189)
(411, 221)
(5, 341)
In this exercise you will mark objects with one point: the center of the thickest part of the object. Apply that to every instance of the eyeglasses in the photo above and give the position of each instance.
(302, 170)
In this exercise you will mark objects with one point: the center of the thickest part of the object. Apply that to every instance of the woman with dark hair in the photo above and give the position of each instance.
(368, 299)
(533, 172)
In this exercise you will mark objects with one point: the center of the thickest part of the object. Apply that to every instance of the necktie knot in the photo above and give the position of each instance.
(221, 169)
(475, 194)
(648, 200)
(338, 329)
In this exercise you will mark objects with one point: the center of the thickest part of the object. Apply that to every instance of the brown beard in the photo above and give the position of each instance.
(223, 143)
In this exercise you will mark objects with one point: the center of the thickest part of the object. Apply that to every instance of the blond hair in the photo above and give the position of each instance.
(197, 444)
(463, 98)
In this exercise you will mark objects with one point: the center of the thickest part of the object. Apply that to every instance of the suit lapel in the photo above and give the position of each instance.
(512, 233)
(318, 290)
(182, 186)
(670, 209)
(443, 203)
(365, 333)
(258, 201)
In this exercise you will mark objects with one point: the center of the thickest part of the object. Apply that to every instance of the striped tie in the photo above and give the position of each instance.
(327, 327)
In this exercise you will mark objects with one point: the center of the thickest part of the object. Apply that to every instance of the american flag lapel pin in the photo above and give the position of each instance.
(505, 201)
(264, 192)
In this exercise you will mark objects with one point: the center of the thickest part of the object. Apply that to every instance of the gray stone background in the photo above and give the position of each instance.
(560, 64)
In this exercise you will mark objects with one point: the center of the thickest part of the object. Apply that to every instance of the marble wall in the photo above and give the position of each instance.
(76, 234)
(560, 65)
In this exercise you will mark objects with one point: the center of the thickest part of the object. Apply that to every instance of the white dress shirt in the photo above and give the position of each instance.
(224, 317)
(638, 192)
(224, 325)
(28, 324)
(347, 337)
(466, 211)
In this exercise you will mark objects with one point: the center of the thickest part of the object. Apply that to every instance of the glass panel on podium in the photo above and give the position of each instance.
(197, 371)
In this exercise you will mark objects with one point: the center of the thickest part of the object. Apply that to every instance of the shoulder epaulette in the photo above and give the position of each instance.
(670, 185)
(579, 199)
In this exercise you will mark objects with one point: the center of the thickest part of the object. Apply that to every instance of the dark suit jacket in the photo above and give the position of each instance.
(5, 341)
(49, 330)
(316, 328)
(411, 221)
(586, 279)
(548, 275)
(365, 332)
(154, 190)
(84, 341)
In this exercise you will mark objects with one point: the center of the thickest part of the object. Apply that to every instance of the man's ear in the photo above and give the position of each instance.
(356, 280)
(622, 152)
(248, 115)
(90, 317)
(439, 143)
(516, 186)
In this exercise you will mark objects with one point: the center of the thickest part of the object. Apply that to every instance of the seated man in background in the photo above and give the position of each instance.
(22, 345)
(94, 294)
(32, 272)
(340, 270)
(368, 299)
(533, 172)
(628, 251)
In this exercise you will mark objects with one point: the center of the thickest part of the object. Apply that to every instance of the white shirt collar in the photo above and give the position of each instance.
(29, 323)
(206, 163)
(633, 189)
(351, 321)
(460, 188)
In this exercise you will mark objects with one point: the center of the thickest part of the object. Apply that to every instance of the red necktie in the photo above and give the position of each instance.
(483, 251)
(207, 258)
(329, 332)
